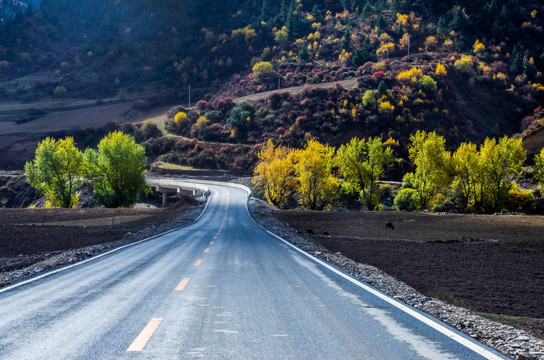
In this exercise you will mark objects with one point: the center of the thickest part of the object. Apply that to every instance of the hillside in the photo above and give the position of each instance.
(467, 69)
(10, 8)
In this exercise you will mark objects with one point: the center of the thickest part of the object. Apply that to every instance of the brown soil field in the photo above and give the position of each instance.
(491, 264)
(88, 117)
(28, 236)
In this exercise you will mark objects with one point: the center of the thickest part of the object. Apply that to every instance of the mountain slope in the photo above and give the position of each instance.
(468, 69)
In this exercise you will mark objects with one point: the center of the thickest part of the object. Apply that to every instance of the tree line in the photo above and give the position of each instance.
(471, 178)
(116, 171)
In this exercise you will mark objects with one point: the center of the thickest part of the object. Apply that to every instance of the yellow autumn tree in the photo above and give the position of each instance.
(402, 19)
(275, 173)
(430, 43)
(385, 108)
(263, 70)
(404, 42)
(478, 47)
(385, 49)
(317, 186)
(441, 70)
(410, 75)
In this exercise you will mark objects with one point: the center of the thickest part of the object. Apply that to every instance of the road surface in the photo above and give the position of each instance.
(222, 288)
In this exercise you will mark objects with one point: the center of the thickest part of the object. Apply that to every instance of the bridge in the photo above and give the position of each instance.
(167, 186)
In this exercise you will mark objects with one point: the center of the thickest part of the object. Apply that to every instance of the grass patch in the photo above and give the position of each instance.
(499, 317)
(446, 296)
(168, 166)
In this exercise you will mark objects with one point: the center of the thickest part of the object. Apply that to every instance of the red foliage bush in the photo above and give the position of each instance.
(202, 105)
(378, 75)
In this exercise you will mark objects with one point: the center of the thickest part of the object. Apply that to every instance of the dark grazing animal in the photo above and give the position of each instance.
(309, 231)
(389, 225)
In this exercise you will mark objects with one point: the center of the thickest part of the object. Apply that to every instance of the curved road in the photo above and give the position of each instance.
(222, 288)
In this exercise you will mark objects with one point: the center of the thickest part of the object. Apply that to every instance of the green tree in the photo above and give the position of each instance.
(406, 200)
(56, 171)
(502, 161)
(281, 37)
(317, 185)
(361, 163)
(368, 98)
(427, 84)
(539, 166)
(117, 170)
(303, 54)
(431, 161)
(346, 41)
(463, 65)
(275, 173)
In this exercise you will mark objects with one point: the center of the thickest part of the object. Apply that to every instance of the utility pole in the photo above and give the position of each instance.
(279, 82)
(189, 95)
(408, 44)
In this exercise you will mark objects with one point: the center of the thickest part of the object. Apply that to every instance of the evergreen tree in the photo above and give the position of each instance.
(316, 13)
(516, 60)
(382, 88)
(346, 41)
(400, 32)
(380, 23)
(442, 24)
(303, 53)
(358, 58)
(366, 10)
(496, 30)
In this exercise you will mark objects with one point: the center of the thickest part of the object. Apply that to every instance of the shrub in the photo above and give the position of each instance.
(150, 130)
(412, 75)
(441, 70)
(521, 201)
(386, 195)
(180, 118)
(406, 200)
(60, 91)
(368, 98)
(427, 84)
(202, 105)
(281, 37)
(385, 107)
(463, 65)
(263, 70)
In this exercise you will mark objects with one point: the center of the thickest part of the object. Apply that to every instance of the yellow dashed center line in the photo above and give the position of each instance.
(198, 262)
(211, 242)
(141, 340)
(207, 250)
(182, 284)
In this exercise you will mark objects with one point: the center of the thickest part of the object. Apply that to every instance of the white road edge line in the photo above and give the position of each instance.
(39, 277)
(477, 348)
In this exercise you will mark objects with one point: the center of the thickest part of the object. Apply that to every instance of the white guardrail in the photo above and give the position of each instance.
(198, 187)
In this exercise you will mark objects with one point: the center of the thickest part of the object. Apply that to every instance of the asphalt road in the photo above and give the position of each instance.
(222, 288)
